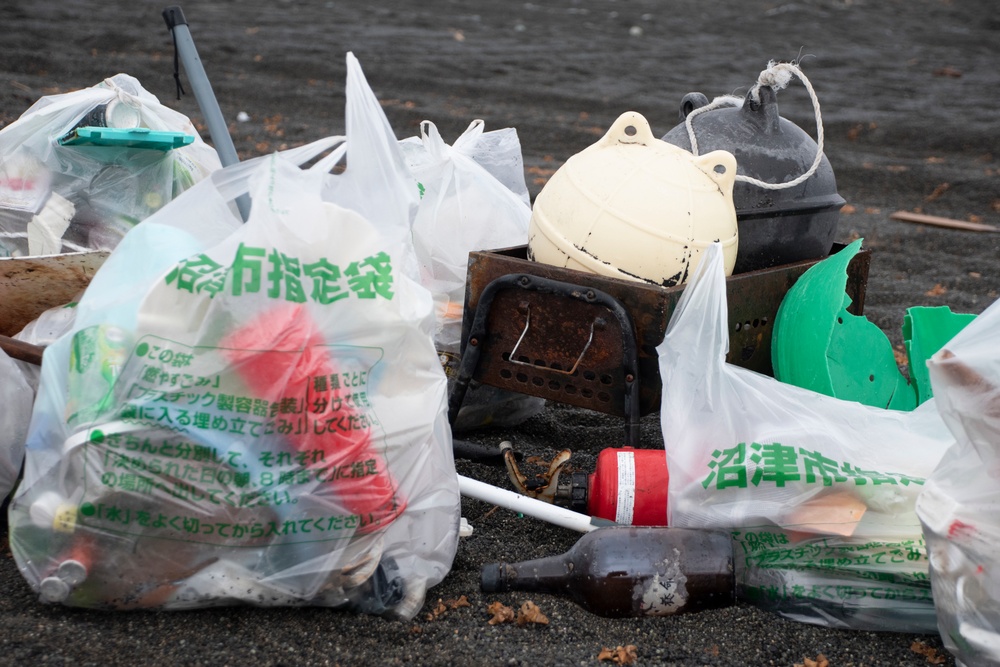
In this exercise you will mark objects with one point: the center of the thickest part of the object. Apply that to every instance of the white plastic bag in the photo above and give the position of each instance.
(16, 397)
(18, 385)
(60, 198)
(819, 492)
(464, 206)
(45, 330)
(958, 506)
(250, 413)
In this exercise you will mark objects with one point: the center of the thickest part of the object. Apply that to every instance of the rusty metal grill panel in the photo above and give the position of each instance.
(561, 357)
(560, 327)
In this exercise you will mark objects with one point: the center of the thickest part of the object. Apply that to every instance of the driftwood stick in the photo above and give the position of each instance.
(950, 223)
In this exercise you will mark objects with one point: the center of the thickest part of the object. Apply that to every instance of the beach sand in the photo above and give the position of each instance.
(907, 95)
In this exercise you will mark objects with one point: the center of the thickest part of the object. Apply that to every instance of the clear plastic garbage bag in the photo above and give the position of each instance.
(250, 413)
(819, 493)
(57, 197)
(959, 503)
(472, 197)
(16, 397)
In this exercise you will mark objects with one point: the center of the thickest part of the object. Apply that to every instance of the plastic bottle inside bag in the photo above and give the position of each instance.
(127, 550)
(97, 357)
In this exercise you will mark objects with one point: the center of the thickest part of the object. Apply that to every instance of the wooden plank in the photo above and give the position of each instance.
(31, 285)
(949, 223)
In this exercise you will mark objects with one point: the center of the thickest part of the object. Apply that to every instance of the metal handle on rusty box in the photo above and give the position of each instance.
(527, 325)
(478, 333)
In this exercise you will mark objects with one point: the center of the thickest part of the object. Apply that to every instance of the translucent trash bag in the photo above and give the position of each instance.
(958, 506)
(63, 192)
(250, 413)
(818, 492)
(472, 198)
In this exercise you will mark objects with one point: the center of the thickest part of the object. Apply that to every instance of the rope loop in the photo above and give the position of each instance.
(776, 76)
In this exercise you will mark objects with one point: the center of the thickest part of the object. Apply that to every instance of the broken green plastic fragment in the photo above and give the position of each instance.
(818, 345)
(926, 329)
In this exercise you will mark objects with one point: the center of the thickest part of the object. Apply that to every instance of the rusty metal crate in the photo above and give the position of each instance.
(590, 341)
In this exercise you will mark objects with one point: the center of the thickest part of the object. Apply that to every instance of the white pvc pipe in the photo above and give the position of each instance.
(539, 509)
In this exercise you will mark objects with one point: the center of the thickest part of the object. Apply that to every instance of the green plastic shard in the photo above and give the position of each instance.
(926, 329)
(820, 346)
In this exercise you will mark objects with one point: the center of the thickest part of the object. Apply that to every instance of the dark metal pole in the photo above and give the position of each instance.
(203, 93)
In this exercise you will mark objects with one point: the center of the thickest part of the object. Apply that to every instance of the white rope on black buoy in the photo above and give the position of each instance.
(777, 76)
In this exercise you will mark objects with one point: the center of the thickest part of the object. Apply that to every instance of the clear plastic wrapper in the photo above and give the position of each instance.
(45, 330)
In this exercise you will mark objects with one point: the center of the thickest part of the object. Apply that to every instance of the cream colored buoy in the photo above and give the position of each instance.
(633, 206)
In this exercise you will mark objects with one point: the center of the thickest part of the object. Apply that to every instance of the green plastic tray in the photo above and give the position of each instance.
(139, 137)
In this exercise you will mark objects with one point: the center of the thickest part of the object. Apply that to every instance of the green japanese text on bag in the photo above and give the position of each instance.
(819, 493)
(250, 413)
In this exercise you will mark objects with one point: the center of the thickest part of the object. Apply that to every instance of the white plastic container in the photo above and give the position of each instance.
(635, 207)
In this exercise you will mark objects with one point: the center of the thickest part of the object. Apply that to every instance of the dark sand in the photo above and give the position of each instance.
(907, 89)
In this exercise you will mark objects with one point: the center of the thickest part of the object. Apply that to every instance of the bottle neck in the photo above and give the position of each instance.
(542, 575)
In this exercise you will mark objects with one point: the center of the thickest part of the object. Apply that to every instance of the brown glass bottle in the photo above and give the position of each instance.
(630, 571)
